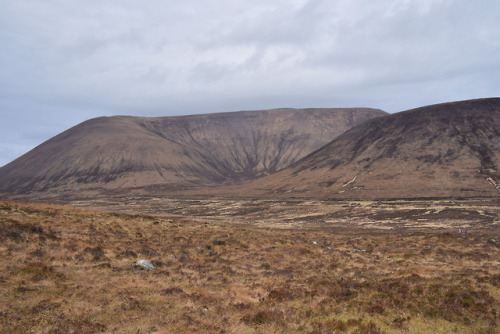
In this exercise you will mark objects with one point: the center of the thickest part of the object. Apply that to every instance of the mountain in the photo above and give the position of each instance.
(121, 152)
(443, 150)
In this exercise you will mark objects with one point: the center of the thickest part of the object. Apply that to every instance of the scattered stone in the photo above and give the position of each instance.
(143, 264)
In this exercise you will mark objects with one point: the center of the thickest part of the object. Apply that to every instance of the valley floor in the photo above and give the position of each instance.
(228, 266)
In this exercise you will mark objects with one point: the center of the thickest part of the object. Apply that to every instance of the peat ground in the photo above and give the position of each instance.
(250, 267)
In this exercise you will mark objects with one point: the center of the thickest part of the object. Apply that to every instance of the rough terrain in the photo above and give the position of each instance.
(69, 270)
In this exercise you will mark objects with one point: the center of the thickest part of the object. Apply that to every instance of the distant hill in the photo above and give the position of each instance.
(120, 153)
(443, 150)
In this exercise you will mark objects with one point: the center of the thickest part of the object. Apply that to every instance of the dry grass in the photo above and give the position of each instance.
(65, 270)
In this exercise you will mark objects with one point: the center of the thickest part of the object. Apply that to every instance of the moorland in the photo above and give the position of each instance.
(229, 267)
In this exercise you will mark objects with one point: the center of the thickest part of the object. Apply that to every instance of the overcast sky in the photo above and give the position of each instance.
(62, 62)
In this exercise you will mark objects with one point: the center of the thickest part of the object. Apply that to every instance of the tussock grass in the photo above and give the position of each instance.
(65, 270)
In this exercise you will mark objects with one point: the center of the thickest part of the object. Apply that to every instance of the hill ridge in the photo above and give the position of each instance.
(120, 152)
(442, 150)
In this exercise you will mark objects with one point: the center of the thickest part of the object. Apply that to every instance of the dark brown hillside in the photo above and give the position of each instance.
(115, 153)
(450, 149)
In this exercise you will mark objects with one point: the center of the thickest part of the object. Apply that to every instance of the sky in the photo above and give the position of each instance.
(63, 62)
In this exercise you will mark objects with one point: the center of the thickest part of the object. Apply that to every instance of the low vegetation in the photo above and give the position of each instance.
(66, 270)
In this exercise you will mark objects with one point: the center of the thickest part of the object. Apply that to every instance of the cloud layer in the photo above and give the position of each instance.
(66, 61)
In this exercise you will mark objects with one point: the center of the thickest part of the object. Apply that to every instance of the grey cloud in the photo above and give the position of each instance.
(72, 60)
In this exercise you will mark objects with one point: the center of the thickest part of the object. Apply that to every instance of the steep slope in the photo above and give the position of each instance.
(125, 152)
(450, 149)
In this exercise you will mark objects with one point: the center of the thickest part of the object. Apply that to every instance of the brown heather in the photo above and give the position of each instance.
(67, 270)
